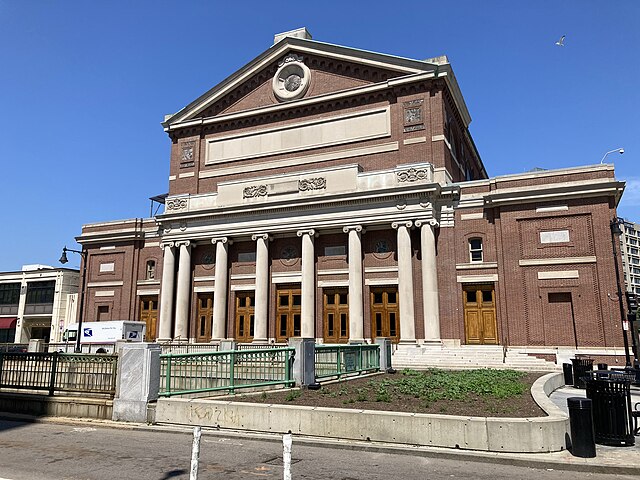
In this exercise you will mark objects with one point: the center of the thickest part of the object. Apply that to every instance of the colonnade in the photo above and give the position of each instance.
(181, 290)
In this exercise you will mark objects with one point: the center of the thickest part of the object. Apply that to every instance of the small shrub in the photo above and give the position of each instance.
(292, 395)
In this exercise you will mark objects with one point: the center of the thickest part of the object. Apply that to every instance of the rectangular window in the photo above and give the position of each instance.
(246, 257)
(334, 251)
(9, 294)
(40, 292)
(475, 250)
(103, 313)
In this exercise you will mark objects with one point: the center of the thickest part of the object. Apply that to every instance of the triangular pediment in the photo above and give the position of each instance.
(331, 69)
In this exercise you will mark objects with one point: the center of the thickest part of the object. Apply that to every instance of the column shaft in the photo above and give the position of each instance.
(356, 312)
(431, 307)
(405, 283)
(308, 284)
(261, 313)
(183, 292)
(167, 290)
(221, 288)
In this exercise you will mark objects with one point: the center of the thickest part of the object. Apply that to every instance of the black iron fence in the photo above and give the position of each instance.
(59, 372)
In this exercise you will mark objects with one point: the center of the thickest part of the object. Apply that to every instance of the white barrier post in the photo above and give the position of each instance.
(195, 453)
(286, 455)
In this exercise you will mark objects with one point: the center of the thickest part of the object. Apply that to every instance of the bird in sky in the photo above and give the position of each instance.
(560, 42)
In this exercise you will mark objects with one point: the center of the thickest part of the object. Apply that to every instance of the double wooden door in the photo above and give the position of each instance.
(288, 313)
(204, 315)
(385, 316)
(245, 316)
(480, 315)
(149, 315)
(336, 315)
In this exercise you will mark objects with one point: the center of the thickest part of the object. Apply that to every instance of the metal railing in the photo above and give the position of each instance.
(182, 374)
(339, 360)
(69, 347)
(59, 372)
(259, 346)
(14, 347)
(181, 347)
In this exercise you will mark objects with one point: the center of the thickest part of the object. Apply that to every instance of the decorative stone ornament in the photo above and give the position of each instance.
(291, 80)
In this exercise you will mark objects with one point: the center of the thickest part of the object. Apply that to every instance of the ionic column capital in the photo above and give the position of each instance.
(431, 221)
(164, 245)
(311, 232)
(221, 240)
(263, 236)
(406, 223)
(185, 243)
(357, 228)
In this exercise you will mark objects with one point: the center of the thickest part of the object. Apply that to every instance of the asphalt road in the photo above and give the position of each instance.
(46, 451)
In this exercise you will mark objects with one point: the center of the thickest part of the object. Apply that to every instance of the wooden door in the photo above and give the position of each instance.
(288, 313)
(245, 316)
(204, 316)
(385, 314)
(480, 315)
(149, 315)
(336, 315)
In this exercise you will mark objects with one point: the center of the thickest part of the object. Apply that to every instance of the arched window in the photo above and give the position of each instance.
(151, 270)
(475, 250)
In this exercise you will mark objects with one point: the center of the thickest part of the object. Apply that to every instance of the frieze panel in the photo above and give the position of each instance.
(413, 115)
(319, 183)
(412, 175)
(177, 204)
(254, 191)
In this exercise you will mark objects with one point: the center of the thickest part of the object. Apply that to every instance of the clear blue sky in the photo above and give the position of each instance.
(84, 86)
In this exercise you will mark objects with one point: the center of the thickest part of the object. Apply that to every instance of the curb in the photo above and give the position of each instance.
(562, 461)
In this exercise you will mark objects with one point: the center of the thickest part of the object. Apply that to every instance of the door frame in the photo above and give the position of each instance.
(481, 310)
(387, 311)
(340, 312)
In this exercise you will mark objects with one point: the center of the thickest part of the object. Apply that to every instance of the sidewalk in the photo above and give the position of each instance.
(605, 455)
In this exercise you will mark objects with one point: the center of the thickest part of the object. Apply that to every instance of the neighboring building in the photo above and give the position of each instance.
(329, 192)
(630, 248)
(35, 303)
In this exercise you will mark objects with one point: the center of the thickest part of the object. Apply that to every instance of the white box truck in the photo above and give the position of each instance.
(105, 334)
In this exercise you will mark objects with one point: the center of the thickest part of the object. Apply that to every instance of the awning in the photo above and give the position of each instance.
(9, 322)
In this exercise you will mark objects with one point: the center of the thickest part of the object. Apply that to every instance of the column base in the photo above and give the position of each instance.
(356, 341)
(436, 342)
(408, 342)
(163, 340)
(260, 341)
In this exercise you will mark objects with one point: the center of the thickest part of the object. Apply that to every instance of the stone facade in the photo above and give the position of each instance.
(322, 191)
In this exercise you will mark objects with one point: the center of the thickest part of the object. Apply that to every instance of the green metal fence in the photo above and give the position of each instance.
(192, 373)
(59, 372)
(339, 360)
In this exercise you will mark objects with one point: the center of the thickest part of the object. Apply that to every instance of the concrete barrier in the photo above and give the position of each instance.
(57, 406)
(522, 435)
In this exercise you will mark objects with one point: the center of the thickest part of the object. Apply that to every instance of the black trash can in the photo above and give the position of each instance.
(567, 369)
(580, 368)
(581, 422)
(612, 418)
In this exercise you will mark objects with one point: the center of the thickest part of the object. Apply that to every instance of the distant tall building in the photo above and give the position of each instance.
(630, 250)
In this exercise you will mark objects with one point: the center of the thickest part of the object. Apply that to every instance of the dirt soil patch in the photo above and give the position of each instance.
(481, 394)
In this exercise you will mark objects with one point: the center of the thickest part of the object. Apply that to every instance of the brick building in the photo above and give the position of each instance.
(328, 192)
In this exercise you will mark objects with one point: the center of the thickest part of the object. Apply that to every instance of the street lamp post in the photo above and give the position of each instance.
(615, 230)
(619, 150)
(63, 260)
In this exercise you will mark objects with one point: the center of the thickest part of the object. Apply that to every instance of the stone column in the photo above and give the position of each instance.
(356, 312)
(166, 293)
(429, 281)
(308, 284)
(183, 292)
(221, 287)
(261, 312)
(405, 283)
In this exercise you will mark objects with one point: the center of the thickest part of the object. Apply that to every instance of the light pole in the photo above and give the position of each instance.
(619, 150)
(63, 260)
(615, 231)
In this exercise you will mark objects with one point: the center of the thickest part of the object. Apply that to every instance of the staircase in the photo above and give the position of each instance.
(466, 357)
